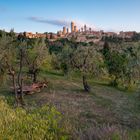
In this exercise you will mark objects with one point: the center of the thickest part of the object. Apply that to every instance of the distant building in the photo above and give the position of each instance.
(90, 30)
(53, 36)
(64, 30)
(127, 34)
(67, 30)
(111, 34)
(82, 29)
(37, 35)
(48, 36)
(72, 26)
(75, 29)
(28, 35)
(85, 28)
(59, 33)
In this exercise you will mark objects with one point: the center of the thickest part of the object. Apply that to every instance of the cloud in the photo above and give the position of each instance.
(57, 22)
(62, 23)
(50, 21)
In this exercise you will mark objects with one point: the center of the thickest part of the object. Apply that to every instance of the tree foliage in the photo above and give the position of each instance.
(36, 56)
(85, 59)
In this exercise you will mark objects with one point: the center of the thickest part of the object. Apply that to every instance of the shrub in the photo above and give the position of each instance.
(39, 124)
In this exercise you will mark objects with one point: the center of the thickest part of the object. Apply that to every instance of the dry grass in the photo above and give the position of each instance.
(103, 106)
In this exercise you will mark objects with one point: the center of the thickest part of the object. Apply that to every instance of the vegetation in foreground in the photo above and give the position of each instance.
(39, 123)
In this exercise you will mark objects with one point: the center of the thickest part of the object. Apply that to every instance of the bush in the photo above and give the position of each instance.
(38, 124)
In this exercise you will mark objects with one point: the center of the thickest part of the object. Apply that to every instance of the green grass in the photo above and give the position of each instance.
(104, 105)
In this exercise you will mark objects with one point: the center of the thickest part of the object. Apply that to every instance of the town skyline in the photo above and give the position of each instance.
(51, 16)
(82, 34)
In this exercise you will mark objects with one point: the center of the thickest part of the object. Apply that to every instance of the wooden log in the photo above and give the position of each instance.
(35, 87)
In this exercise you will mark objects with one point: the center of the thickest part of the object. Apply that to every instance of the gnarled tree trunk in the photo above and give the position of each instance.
(15, 89)
(85, 84)
(35, 77)
(20, 79)
(114, 83)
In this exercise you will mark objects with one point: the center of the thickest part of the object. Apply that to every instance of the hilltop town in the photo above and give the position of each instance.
(84, 34)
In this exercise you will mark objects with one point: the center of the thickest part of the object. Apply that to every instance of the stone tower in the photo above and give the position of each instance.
(85, 28)
(64, 30)
(72, 26)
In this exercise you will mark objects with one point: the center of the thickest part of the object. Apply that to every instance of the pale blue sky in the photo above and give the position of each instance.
(51, 15)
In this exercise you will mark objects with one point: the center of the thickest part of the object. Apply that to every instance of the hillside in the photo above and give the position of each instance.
(68, 90)
(104, 107)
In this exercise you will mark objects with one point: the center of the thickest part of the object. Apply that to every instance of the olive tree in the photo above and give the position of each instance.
(132, 74)
(88, 61)
(122, 63)
(36, 55)
(11, 63)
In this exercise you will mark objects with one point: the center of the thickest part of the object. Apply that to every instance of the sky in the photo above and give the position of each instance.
(51, 15)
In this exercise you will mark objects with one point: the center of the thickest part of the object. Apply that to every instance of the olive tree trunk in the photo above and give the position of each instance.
(85, 84)
(15, 89)
(20, 79)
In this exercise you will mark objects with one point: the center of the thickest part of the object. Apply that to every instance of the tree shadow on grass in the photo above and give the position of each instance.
(7, 94)
(54, 73)
(110, 86)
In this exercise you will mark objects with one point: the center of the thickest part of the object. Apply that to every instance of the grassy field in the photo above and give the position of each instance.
(105, 107)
